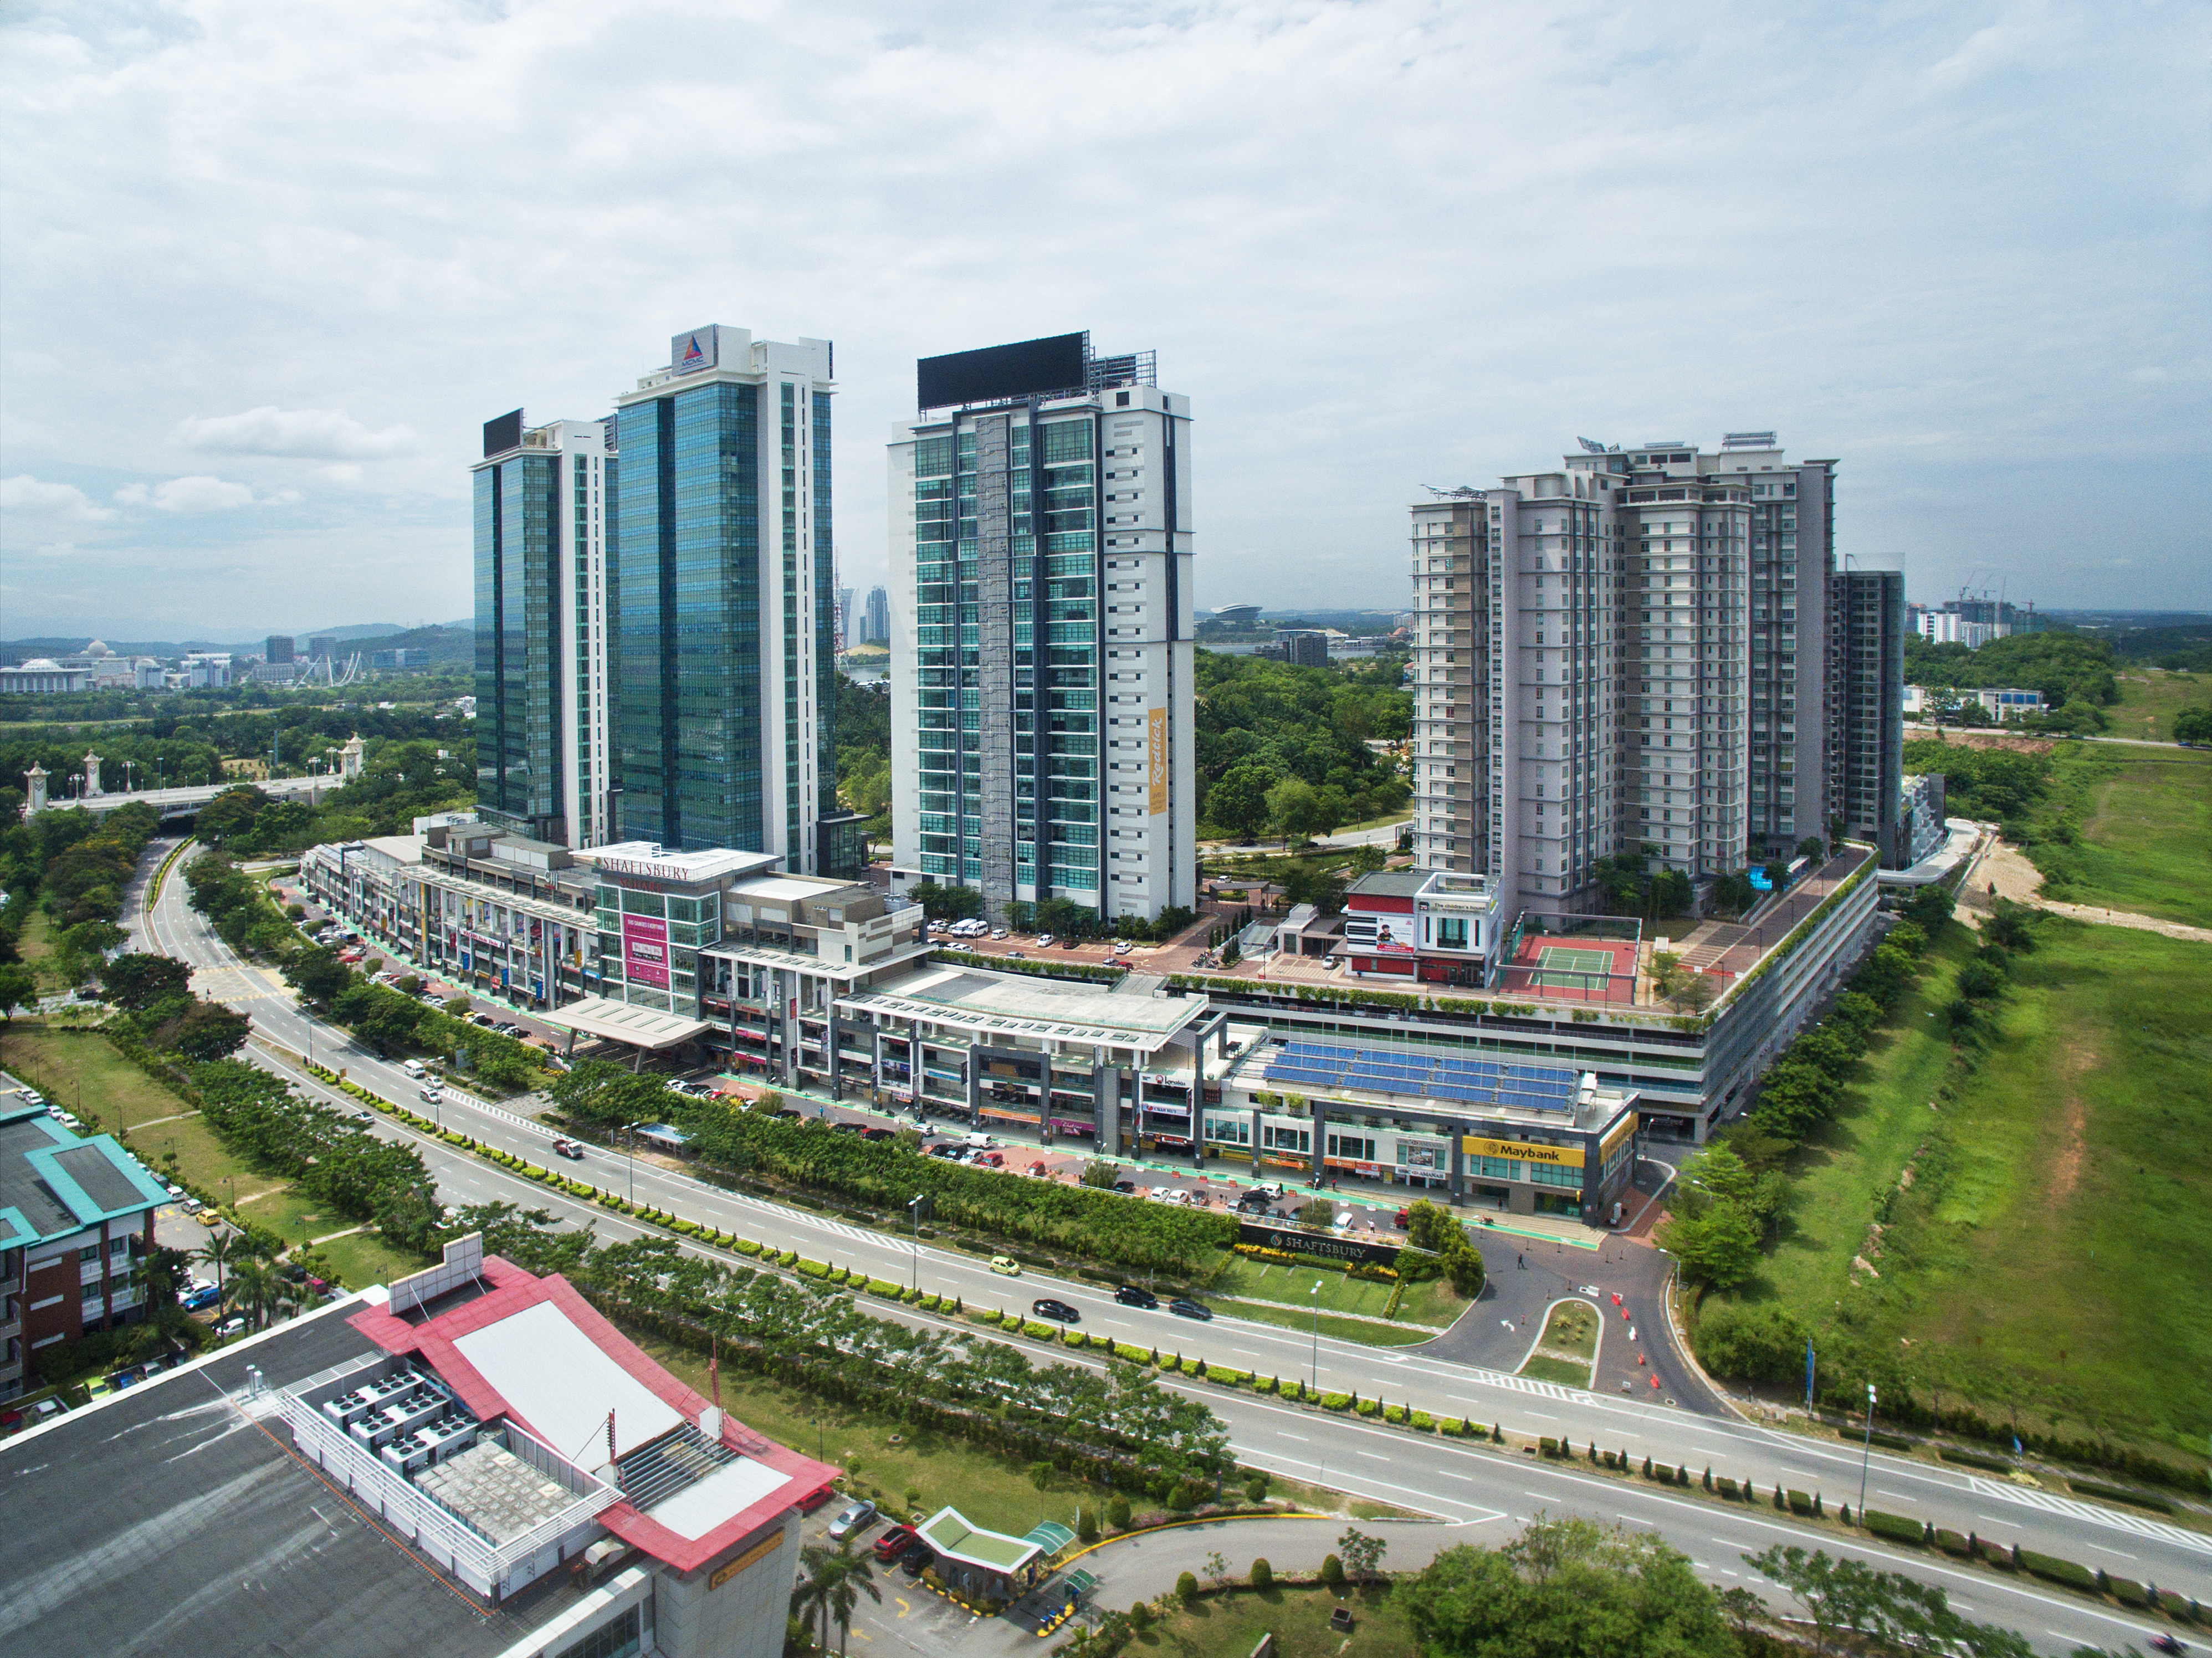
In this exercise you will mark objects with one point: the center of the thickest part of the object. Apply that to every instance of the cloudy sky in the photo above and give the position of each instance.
(267, 267)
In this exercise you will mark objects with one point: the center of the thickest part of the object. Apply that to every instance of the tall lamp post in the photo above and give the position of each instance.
(914, 1208)
(1866, 1455)
(629, 1151)
(1316, 1335)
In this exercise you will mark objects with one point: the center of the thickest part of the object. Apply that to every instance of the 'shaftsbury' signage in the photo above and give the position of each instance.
(1328, 1245)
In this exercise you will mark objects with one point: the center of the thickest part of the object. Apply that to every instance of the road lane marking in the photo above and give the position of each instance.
(2101, 1549)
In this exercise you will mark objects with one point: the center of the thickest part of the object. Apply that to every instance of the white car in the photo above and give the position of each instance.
(432, 1093)
(1123, 947)
(415, 1068)
(998, 932)
(1044, 941)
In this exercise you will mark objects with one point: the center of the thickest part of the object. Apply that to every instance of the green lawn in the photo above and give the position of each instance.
(1567, 1346)
(2150, 697)
(1230, 1625)
(2049, 1253)
(1338, 1329)
(35, 945)
(1431, 1302)
(364, 1259)
(2143, 821)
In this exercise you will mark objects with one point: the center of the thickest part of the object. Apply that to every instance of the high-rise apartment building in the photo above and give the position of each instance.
(1608, 660)
(845, 640)
(279, 649)
(727, 616)
(877, 628)
(1041, 743)
(1866, 710)
(544, 501)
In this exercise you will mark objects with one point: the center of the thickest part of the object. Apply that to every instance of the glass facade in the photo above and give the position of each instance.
(521, 703)
(687, 592)
(1010, 527)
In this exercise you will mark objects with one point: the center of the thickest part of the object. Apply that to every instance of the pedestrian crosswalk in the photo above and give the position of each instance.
(2094, 1514)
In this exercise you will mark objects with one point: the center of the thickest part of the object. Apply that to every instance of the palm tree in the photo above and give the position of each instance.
(222, 1247)
(836, 1577)
(257, 1286)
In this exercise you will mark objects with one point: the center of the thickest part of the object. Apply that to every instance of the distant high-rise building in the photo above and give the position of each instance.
(728, 604)
(279, 649)
(845, 640)
(543, 584)
(324, 646)
(1866, 712)
(876, 629)
(1629, 654)
(1041, 743)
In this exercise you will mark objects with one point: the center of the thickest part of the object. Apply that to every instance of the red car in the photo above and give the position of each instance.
(895, 1542)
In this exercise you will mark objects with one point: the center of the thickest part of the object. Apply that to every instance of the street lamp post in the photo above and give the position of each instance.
(914, 1208)
(1316, 1335)
(1866, 1455)
(629, 1153)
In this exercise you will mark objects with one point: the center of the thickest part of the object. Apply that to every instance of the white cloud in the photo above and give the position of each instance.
(33, 496)
(307, 433)
(196, 494)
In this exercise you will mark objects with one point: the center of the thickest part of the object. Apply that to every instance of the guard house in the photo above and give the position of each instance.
(981, 1564)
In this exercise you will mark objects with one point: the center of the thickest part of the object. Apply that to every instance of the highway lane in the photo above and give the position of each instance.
(1428, 1472)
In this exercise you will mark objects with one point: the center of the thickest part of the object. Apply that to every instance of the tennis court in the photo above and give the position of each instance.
(1560, 966)
(1591, 972)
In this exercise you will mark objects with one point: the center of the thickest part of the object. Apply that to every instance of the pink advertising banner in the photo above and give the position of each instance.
(645, 951)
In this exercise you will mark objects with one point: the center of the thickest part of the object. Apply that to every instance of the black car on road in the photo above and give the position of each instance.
(1182, 1307)
(1132, 1295)
(1047, 1308)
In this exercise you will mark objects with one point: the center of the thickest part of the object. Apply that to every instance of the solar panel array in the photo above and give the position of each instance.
(1437, 1077)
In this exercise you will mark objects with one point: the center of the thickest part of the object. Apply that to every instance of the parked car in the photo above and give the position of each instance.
(174, 1190)
(1135, 1295)
(1071, 944)
(1006, 1265)
(1017, 955)
(998, 932)
(1183, 1307)
(1046, 1307)
(850, 1127)
(1126, 1188)
(201, 1299)
(917, 1560)
(232, 1325)
(1037, 1169)
(852, 1520)
(191, 1205)
(208, 1217)
(879, 1132)
(990, 1160)
(485, 1020)
(1402, 1219)
(895, 1542)
(1044, 941)
(1123, 947)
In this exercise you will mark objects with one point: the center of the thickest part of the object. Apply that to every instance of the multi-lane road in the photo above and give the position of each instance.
(1491, 1489)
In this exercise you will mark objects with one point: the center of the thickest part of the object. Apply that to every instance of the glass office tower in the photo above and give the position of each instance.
(728, 609)
(543, 497)
(1040, 610)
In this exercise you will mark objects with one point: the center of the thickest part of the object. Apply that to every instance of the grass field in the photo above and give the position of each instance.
(363, 1257)
(1230, 1625)
(1429, 1302)
(2048, 1252)
(2150, 697)
(2141, 820)
(35, 944)
(1337, 1329)
(1568, 1345)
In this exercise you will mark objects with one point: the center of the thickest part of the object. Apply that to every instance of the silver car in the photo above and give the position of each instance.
(852, 1520)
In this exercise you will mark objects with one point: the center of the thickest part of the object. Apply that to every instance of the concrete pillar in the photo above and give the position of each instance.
(1255, 1140)
(829, 1033)
(1458, 1130)
(974, 1088)
(1320, 1140)
(1105, 1107)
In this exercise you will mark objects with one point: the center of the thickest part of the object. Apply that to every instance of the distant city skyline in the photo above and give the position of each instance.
(1961, 247)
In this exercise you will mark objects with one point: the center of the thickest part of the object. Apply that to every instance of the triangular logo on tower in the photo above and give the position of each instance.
(693, 356)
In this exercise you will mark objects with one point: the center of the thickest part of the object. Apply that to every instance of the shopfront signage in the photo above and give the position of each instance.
(645, 951)
(1566, 1157)
(1326, 1245)
(752, 1556)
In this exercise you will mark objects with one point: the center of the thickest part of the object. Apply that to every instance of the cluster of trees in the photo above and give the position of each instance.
(331, 1156)
(74, 866)
(1119, 1426)
(864, 752)
(237, 906)
(1438, 1232)
(395, 1018)
(886, 1174)
(2068, 668)
(1632, 886)
(1287, 747)
(2193, 725)
(153, 993)
(399, 782)
(1565, 1588)
(2000, 784)
(1732, 1197)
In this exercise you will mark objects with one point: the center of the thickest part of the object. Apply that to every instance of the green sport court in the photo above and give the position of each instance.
(1562, 967)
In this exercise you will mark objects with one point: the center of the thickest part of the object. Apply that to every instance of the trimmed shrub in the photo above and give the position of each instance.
(1140, 1615)
(1974, 1459)
(1335, 1401)
(1086, 1525)
(1187, 1588)
(1894, 1527)
(1800, 1503)
(1263, 1575)
(1892, 1441)
(1547, 1447)
(2127, 1591)
(2052, 1570)
(1951, 1543)
(1423, 1423)
(1117, 1512)
(1331, 1572)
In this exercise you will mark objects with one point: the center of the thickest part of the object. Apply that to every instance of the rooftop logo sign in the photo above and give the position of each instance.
(690, 353)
